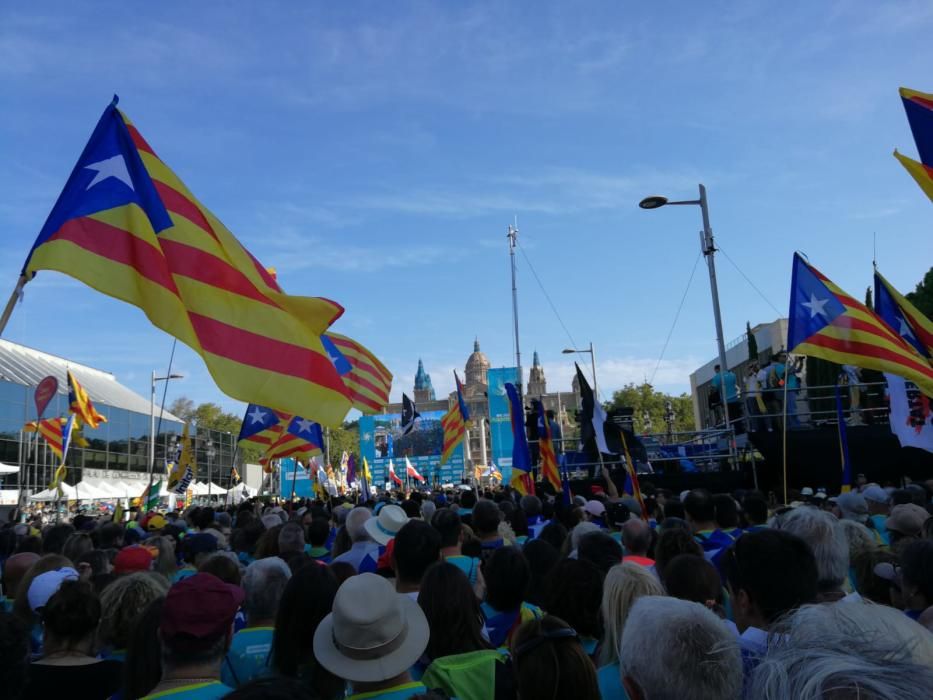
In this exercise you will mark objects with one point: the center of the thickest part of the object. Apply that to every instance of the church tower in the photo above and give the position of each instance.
(537, 384)
(424, 390)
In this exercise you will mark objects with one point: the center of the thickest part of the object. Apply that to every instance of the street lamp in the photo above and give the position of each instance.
(592, 354)
(152, 414)
(709, 249)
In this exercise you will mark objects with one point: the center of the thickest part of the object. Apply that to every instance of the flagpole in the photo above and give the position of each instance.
(513, 242)
(11, 304)
(294, 479)
(784, 425)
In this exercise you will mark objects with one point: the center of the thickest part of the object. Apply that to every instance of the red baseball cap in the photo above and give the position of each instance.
(198, 611)
(132, 559)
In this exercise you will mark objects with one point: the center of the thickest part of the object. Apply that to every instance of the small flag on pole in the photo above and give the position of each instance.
(412, 472)
(409, 414)
(546, 449)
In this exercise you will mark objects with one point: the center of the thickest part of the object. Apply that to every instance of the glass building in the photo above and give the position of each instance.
(116, 450)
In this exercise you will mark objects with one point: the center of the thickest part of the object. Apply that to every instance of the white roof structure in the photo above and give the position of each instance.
(26, 366)
(8, 468)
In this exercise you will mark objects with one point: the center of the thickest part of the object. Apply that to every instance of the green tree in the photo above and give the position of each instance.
(644, 397)
(922, 296)
(210, 416)
(346, 438)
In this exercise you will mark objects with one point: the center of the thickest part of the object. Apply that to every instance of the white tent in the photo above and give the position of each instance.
(240, 492)
(90, 492)
(8, 469)
(216, 490)
(68, 494)
(9, 497)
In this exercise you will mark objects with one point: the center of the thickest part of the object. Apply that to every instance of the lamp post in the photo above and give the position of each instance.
(709, 249)
(210, 467)
(592, 354)
(152, 413)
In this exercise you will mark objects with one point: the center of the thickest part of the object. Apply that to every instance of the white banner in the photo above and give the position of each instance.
(911, 413)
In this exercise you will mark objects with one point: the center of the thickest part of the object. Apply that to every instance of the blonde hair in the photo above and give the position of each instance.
(165, 561)
(625, 583)
(123, 601)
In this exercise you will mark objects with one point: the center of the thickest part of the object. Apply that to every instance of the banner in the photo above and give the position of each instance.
(381, 439)
(46, 389)
(911, 414)
(500, 427)
(304, 482)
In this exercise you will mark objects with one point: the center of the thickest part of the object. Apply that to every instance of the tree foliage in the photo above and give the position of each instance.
(644, 397)
(922, 296)
(346, 438)
(210, 416)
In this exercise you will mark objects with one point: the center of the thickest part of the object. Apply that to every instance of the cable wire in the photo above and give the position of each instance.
(751, 284)
(676, 317)
(547, 296)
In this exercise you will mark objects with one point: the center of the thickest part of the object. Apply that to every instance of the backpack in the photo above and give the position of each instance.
(477, 675)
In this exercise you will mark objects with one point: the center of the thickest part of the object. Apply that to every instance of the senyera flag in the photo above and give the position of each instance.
(127, 226)
(826, 322)
(80, 404)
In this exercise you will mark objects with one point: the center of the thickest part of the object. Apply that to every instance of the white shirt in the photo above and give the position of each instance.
(751, 386)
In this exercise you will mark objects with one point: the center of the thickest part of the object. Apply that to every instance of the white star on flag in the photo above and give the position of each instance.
(905, 329)
(816, 306)
(110, 167)
(304, 425)
(257, 415)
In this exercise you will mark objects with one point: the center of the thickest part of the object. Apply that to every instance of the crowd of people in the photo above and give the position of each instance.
(472, 595)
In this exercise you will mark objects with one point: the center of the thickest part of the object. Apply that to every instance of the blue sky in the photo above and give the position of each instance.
(375, 153)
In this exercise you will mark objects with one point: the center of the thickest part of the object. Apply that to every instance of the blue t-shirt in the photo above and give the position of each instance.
(195, 691)
(731, 390)
(468, 565)
(610, 683)
(248, 657)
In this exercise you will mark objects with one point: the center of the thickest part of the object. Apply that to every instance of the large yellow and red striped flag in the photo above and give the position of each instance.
(454, 430)
(127, 226)
(80, 403)
(367, 380)
(51, 429)
(546, 450)
(826, 322)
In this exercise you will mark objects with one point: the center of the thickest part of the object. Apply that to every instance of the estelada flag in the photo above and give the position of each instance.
(127, 226)
(825, 322)
(521, 479)
(904, 318)
(301, 439)
(366, 379)
(262, 426)
(80, 404)
(546, 449)
(919, 109)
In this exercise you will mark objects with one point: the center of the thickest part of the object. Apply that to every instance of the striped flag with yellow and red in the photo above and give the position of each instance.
(367, 380)
(127, 226)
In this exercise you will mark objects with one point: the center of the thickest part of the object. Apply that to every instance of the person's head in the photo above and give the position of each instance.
(573, 593)
(142, 667)
(14, 569)
(70, 618)
(550, 662)
(876, 586)
(318, 532)
(826, 539)
(224, 566)
(600, 549)
(554, 533)
(700, 510)
(917, 574)
(677, 650)
(307, 599)
(387, 523)
(531, 505)
(726, 510)
(624, 584)
(196, 624)
(542, 558)
(850, 650)
(905, 521)
(22, 607)
(859, 538)
(636, 537)
(53, 539)
(852, 506)
(77, 544)
(452, 610)
(197, 547)
(877, 498)
(449, 526)
(428, 509)
(694, 578)
(374, 635)
(356, 524)
(485, 519)
(110, 536)
(291, 539)
(507, 577)
(263, 584)
(756, 510)
(417, 546)
(671, 543)
(14, 650)
(769, 573)
(123, 601)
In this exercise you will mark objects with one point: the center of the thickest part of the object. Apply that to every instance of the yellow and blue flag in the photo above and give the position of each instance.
(825, 322)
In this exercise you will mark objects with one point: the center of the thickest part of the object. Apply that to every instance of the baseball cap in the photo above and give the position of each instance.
(198, 611)
(906, 519)
(852, 505)
(876, 494)
(595, 508)
(156, 522)
(44, 586)
(131, 559)
(806, 491)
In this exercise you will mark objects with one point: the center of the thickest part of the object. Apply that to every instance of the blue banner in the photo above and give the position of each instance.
(304, 487)
(381, 440)
(500, 426)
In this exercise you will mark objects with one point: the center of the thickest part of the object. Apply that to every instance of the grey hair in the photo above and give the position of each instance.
(636, 536)
(859, 537)
(857, 649)
(826, 538)
(579, 530)
(428, 509)
(356, 522)
(264, 582)
(291, 538)
(678, 650)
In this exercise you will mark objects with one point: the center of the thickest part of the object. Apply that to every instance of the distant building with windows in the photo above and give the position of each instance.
(117, 449)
